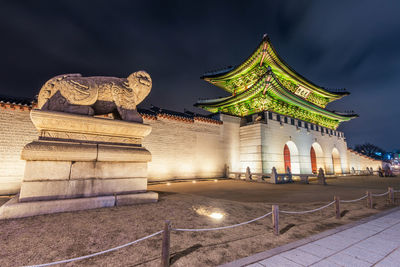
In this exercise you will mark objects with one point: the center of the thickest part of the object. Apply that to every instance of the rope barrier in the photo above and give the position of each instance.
(97, 253)
(353, 200)
(307, 211)
(204, 229)
(379, 195)
(223, 227)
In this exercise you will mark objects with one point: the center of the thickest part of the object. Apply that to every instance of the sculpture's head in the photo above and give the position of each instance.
(140, 82)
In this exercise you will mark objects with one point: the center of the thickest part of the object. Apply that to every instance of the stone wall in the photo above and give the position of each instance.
(180, 148)
(16, 131)
(200, 147)
(360, 162)
(262, 143)
(184, 149)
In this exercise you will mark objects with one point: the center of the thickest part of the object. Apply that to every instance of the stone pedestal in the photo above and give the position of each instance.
(85, 159)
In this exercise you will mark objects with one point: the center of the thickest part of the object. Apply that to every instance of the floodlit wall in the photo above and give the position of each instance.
(185, 149)
(360, 162)
(251, 146)
(16, 131)
(180, 148)
(196, 148)
(231, 143)
(262, 143)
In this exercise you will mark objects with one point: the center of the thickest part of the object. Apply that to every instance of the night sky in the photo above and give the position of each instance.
(336, 44)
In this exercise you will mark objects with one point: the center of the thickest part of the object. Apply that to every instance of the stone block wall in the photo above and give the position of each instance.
(16, 131)
(360, 162)
(251, 147)
(180, 148)
(198, 147)
(264, 141)
(184, 149)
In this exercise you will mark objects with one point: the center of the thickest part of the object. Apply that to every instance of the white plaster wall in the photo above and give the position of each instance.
(277, 134)
(229, 132)
(251, 139)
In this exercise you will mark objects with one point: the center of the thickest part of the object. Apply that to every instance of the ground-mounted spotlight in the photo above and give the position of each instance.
(168, 183)
(194, 181)
(210, 212)
(216, 215)
(215, 180)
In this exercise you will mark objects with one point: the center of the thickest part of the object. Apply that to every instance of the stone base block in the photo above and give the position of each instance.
(46, 190)
(14, 209)
(131, 199)
(74, 151)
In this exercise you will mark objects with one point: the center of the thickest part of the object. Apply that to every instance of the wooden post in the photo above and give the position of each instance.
(391, 195)
(337, 207)
(275, 219)
(166, 245)
(369, 199)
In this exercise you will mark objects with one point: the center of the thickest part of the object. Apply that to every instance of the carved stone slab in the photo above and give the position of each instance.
(71, 151)
(54, 125)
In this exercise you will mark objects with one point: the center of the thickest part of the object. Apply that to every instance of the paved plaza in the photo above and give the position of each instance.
(373, 242)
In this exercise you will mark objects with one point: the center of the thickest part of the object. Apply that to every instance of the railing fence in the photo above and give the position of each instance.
(166, 233)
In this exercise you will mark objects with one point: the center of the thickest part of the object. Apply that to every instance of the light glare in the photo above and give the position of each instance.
(216, 215)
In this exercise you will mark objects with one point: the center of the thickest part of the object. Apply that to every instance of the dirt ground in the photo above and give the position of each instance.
(60, 236)
(345, 187)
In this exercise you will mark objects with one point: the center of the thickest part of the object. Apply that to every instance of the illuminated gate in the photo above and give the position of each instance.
(286, 157)
(336, 163)
(313, 160)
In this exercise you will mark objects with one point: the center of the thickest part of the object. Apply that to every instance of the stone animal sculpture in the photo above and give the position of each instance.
(73, 93)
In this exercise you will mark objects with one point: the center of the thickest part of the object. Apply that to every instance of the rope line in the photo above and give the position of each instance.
(353, 200)
(379, 195)
(307, 211)
(202, 230)
(97, 253)
(223, 227)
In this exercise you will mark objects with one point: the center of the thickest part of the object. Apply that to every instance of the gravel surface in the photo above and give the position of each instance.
(60, 236)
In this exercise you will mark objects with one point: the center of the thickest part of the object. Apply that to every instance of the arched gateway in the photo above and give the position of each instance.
(286, 157)
(291, 157)
(316, 157)
(265, 90)
(336, 163)
(313, 160)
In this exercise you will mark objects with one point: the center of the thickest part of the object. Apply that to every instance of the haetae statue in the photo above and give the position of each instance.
(73, 93)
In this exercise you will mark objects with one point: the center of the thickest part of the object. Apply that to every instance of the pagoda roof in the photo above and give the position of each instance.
(279, 91)
(265, 56)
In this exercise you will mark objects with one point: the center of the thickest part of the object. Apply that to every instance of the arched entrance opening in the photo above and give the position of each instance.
(286, 157)
(313, 160)
(336, 164)
(316, 157)
(291, 157)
